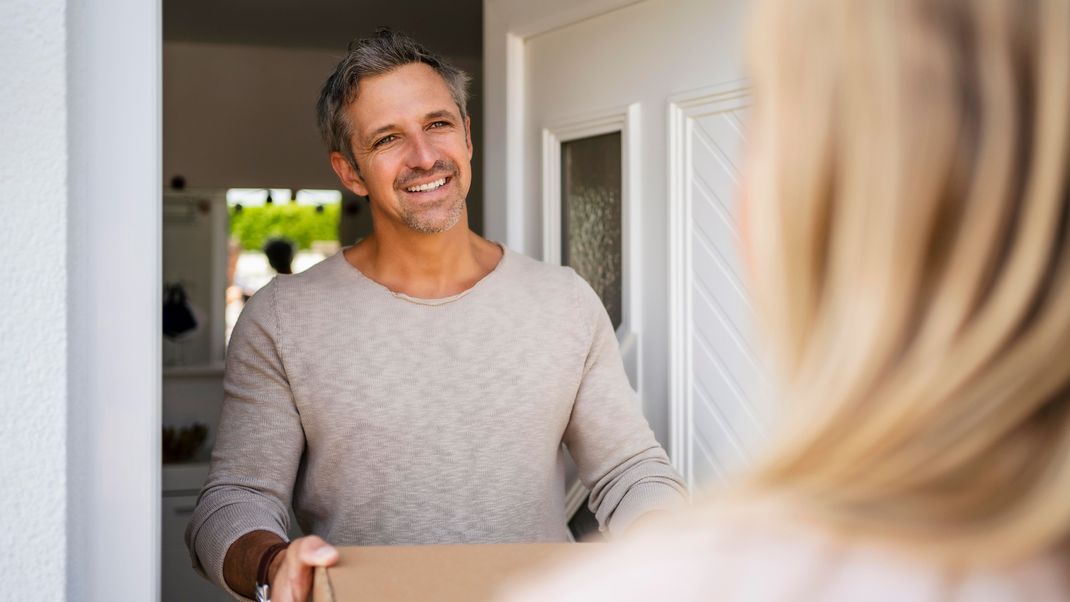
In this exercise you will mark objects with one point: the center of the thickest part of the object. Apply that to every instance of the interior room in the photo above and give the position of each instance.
(244, 166)
(584, 144)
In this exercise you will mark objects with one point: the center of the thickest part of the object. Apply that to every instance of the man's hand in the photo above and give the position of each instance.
(290, 573)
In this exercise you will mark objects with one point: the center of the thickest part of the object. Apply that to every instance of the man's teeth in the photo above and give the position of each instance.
(428, 186)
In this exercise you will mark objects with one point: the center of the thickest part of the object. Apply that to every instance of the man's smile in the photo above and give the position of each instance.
(428, 186)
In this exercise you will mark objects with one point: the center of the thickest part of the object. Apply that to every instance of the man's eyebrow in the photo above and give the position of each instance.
(382, 130)
(440, 114)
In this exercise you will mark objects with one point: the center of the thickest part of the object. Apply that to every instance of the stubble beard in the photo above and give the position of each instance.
(433, 220)
(439, 218)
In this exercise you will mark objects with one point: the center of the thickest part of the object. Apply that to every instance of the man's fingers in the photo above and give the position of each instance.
(294, 579)
(313, 551)
(297, 587)
(324, 556)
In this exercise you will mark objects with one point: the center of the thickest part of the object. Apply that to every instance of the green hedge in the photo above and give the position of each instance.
(253, 226)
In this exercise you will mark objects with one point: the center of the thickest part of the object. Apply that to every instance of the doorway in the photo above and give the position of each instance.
(248, 192)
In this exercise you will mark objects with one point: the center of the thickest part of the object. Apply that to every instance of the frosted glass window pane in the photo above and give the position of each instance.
(591, 207)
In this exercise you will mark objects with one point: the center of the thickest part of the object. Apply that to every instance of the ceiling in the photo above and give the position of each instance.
(452, 28)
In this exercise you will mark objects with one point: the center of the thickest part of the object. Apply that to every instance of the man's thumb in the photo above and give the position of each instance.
(317, 552)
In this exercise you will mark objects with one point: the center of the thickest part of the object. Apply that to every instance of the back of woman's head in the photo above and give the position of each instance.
(908, 215)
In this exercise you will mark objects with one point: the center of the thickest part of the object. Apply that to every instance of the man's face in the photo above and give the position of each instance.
(412, 148)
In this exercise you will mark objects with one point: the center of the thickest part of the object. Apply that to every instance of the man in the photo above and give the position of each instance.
(417, 387)
(280, 255)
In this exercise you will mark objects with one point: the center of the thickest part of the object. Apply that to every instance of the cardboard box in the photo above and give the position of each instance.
(453, 573)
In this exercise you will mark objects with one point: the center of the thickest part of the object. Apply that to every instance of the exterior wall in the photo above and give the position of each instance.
(33, 338)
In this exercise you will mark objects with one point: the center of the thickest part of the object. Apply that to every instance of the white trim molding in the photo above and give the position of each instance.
(684, 108)
(507, 25)
(626, 121)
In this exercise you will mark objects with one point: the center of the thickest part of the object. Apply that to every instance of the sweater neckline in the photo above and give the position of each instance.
(340, 256)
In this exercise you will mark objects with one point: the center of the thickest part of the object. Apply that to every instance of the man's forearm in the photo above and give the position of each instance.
(243, 559)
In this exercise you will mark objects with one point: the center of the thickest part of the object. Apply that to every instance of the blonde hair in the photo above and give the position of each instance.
(908, 214)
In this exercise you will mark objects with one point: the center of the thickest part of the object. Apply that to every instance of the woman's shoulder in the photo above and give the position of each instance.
(685, 558)
(703, 557)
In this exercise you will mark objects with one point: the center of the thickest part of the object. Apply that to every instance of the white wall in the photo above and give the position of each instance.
(244, 116)
(33, 339)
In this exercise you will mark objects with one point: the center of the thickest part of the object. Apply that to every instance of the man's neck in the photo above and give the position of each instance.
(425, 266)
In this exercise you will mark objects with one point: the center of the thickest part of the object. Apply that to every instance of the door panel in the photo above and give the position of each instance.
(720, 415)
(646, 56)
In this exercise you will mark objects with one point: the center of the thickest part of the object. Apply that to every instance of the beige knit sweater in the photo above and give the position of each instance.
(386, 419)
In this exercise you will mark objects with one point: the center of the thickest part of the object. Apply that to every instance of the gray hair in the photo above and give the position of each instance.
(385, 51)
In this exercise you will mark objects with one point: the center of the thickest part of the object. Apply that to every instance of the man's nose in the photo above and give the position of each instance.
(422, 152)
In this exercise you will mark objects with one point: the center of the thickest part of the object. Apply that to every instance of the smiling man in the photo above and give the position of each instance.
(418, 387)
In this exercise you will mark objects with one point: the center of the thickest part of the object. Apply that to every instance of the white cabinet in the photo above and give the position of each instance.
(194, 232)
(178, 581)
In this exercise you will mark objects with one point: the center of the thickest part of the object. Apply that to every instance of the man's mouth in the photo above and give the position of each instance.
(429, 186)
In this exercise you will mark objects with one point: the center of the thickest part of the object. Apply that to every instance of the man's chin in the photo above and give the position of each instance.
(433, 222)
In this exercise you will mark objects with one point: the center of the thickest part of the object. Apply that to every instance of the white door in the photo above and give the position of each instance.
(657, 87)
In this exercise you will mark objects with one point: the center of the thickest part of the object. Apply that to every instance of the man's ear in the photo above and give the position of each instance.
(468, 135)
(348, 174)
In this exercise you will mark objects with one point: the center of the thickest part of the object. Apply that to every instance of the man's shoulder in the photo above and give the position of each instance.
(321, 286)
(554, 279)
(550, 283)
(325, 274)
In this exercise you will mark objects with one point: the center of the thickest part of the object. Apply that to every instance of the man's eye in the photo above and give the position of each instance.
(383, 141)
(439, 124)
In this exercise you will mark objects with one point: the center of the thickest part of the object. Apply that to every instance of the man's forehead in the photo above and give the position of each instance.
(410, 92)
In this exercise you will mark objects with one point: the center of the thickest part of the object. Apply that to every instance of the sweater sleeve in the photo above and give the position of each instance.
(619, 460)
(258, 447)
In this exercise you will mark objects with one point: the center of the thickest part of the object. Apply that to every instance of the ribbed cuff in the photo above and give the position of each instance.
(220, 530)
(641, 498)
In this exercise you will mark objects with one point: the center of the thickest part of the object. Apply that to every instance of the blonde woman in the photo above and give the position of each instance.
(908, 237)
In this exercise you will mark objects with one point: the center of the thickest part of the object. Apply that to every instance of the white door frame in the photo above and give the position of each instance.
(114, 300)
